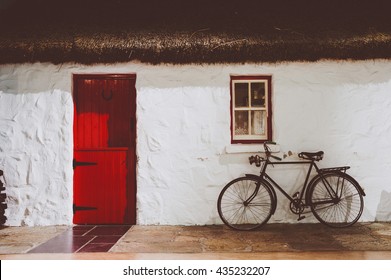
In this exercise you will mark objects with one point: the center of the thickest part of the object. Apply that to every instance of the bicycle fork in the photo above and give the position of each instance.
(253, 195)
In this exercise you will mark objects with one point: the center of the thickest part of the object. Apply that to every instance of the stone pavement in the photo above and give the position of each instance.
(271, 238)
(219, 239)
(19, 240)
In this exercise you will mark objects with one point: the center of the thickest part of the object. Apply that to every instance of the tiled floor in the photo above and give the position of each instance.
(80, 239)
(274, 241)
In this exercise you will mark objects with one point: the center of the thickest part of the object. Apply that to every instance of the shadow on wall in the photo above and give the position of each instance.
(383, 212)
(35, 78)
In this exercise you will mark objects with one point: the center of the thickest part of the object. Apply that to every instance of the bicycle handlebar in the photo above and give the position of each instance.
(257, 159)
(275, 157)
(267, 150)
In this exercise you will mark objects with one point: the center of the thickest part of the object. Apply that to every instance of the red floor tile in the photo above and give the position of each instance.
(96, 247)
(81, 230)
(83, 239)
(107, 239)
(109, 230)
(63, 243)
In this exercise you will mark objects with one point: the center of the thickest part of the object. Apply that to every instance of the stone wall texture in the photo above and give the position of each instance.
(183, 135)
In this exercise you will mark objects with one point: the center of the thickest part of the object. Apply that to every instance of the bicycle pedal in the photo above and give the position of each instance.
(301, 218)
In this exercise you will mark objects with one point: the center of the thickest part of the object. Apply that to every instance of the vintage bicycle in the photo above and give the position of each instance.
(334, 197)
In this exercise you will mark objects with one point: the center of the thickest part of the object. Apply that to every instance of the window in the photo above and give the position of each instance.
(250, 109)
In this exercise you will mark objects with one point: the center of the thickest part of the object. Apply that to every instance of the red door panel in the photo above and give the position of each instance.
(104, 149)
(98, 189)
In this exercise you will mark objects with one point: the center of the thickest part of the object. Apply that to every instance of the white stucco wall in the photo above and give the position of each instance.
(183, 131)
(36, 155)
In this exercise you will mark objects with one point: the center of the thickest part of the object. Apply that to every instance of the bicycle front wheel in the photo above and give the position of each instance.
(245, 204)
(336, 200)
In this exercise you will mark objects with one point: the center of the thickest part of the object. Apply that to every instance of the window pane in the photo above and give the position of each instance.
(258, 94)
(258, 123)
(241, 95)
(251, 108)
(241, 123)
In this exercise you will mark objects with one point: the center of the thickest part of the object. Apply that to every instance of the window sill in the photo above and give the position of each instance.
(256, 148)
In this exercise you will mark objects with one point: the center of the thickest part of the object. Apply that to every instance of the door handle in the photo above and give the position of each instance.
(82, 163)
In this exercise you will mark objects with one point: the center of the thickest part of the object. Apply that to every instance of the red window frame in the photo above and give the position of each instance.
(268, 106)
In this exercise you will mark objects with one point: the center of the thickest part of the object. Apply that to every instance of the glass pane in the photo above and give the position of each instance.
(258, 123)
(241, 95)
(241, 123)
(258, 94)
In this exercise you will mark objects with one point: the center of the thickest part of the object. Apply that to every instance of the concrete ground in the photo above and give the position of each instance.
(286, 241)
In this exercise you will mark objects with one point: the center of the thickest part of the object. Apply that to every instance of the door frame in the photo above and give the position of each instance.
(132, 197)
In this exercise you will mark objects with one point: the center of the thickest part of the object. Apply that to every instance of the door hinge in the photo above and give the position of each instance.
(82, 163)
(82, 208)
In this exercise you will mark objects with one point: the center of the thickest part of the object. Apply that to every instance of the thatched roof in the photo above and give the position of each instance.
(199, 31)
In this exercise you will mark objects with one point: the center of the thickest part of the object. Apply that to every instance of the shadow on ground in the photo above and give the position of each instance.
(271, 238)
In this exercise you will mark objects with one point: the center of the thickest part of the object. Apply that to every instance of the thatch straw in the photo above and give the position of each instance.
(216, 31)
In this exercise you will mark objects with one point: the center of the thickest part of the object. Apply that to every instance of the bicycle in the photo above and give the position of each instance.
(334, 197)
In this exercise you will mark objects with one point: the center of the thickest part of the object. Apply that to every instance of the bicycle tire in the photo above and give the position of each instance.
(342, 211)
(232, 207)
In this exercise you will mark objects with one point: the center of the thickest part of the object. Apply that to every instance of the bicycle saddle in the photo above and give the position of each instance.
(312, 156)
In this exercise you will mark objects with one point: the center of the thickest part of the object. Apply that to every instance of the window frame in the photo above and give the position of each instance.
(268, 107)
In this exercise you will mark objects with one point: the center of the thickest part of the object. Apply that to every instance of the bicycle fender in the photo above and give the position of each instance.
(274, 195)
(307, 192)
(253, 176)
(353, 180)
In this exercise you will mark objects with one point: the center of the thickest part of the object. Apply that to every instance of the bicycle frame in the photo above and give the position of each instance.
(274, 184)
(312, 165)
(306, 185)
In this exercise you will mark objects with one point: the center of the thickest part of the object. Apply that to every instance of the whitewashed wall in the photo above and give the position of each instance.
(342, 108)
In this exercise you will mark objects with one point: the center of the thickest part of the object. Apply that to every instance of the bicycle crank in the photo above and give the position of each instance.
(297, 206)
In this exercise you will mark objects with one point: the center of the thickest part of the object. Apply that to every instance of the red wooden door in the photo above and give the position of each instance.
(104, 149)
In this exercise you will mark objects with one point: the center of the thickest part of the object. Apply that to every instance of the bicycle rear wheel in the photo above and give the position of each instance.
(245, 204)
(336, 200)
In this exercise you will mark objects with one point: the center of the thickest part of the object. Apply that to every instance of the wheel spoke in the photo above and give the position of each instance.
(243, 205)
(340, 211)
